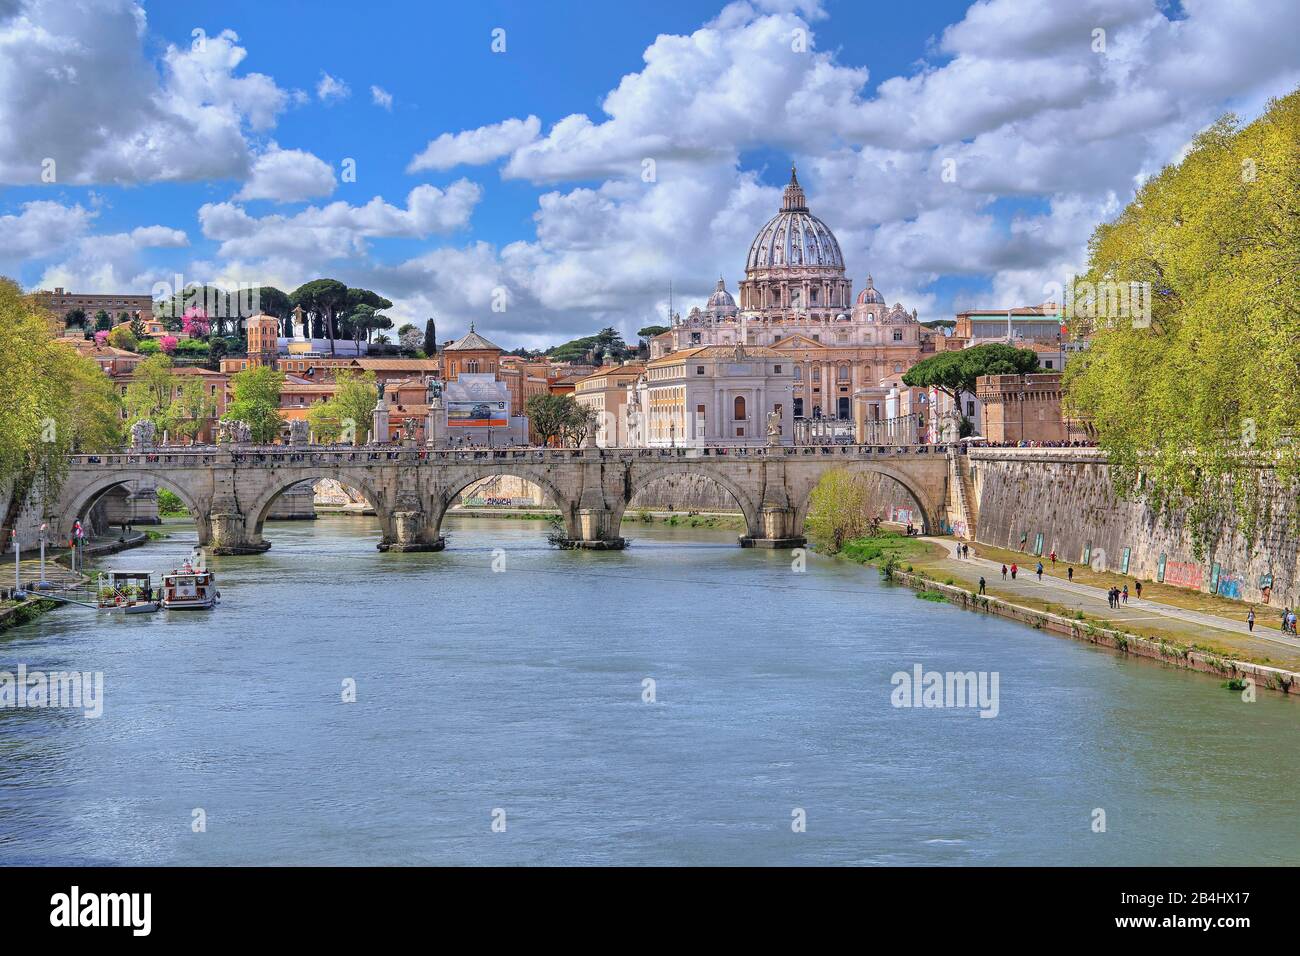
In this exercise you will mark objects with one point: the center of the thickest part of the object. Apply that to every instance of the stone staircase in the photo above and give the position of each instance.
(965, 508)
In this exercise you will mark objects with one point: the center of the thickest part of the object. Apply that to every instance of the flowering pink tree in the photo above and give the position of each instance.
(101, 337)
(195, 323)
(168, 344)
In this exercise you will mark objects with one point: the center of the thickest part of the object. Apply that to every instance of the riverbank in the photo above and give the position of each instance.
(1146, 632)
(14, 613)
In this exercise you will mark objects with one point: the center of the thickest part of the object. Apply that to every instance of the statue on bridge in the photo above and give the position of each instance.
(231, 431)
(298, 431)
(774, 427)
(143, 434)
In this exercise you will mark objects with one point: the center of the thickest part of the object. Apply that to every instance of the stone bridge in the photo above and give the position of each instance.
(230, 490)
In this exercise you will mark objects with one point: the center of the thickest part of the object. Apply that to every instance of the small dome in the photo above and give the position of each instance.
(870, 296)
(721, 298)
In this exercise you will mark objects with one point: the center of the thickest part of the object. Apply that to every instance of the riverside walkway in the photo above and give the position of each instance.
(1138, 615)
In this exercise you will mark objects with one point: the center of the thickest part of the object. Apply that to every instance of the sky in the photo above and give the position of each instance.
(546, 169)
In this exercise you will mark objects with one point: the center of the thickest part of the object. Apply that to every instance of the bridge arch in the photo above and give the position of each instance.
(80, 500)
(449, 489)
(801, 496)
(257, 513)
(640, 480)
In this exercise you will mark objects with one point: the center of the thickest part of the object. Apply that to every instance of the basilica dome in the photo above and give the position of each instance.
(794, 238)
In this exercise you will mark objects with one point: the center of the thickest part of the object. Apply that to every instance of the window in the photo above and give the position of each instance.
(739, 406)
(844, 373)
(817, 373)
(798, 373)
(699, 370)
(798, 408)
(817, 338)
(776, 370)
(970, 409)
(898, 335)
(898, 367)
(844, 411)
(695, 338)
(812, 296)
(1048, 363)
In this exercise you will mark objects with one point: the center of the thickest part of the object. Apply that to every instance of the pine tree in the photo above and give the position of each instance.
(430, 339)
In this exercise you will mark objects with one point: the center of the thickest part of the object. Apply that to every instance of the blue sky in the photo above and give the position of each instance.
(223, 163)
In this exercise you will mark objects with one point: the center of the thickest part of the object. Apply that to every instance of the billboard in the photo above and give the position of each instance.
(478, 414)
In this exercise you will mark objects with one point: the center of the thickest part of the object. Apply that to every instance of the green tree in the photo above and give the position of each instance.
(123, 338)
(430, 339)
(650, 331)
(837, 510)
(192, 408)
(138, 330)
(103, 321)
(53, 402)
(954, 373)
(326, 298)
(75, 317)
(349, 413)
(151, 393)
(256, 401)
(1211, 381)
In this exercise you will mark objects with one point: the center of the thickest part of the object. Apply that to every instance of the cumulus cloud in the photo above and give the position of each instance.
(381, 98)
(476, 146)
(40, 229)
(288, 175)
(319, 234)
(75, 81)
(113, 262)
(331, 88)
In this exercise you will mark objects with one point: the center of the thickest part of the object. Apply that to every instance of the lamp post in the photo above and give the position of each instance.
(43, 527)
(18, 554)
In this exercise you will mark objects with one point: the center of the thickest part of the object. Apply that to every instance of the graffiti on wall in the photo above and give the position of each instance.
(1183, 574)
(1230, 584)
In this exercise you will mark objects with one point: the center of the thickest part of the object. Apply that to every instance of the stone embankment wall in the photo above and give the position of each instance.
(683, 493)
(1066, 497)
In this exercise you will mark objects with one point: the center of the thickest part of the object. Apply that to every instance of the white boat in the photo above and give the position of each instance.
(189, 589)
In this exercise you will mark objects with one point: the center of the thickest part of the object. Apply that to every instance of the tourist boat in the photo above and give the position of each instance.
(131, 592)
(189, 588)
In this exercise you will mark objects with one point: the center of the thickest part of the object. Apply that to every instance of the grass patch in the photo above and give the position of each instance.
(935, 596)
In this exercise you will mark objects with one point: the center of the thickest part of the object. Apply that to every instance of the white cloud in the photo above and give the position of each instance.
(75, 81)
(41, 229)
(320, 234)
(476, 146)
(114, 262)
(330, 88)
(381, 98)
(288, 175)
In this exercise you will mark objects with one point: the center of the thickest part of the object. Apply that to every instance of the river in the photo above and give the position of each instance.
(517, 696)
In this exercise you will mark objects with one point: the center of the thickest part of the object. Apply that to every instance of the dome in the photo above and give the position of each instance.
(794, 237)
(721, 298)
(870, 296)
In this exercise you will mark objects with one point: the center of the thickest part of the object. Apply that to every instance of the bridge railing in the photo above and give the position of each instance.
(281, 455)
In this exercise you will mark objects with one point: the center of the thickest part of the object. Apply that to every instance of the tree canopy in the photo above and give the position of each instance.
(256, 394)
(955, 372)
(1213, 379)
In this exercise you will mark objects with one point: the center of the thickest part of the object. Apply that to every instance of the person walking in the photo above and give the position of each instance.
(1039, 570)
(1004, 572)
(1137, 586)
(1286, 616)
(1053, 556)
(981, 584)
(1125, 592)
(1069, 573)
(1014, 569)
(1250, 621)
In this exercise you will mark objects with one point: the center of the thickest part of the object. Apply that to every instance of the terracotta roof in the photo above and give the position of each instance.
(472, 341)
(399, 364)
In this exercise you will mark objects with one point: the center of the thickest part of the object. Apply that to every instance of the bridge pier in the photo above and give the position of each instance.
(597, 531)
(228, 533)
(778, 528)
(407, 529)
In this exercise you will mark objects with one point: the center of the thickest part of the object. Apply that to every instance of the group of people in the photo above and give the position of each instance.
(1116, 595)
(1037, 444)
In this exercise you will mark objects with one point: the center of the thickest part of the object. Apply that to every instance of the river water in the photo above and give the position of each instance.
(518, 696)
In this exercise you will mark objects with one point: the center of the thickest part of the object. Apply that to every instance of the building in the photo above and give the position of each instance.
(797, 299)
(470, 355)
(1030, 323)
(61, 303)
(605, 391)
(715, 395)
(526, 378)
(1022, 408)
(477, 410)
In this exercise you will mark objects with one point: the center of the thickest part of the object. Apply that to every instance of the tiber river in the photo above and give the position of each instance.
(518, 697)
